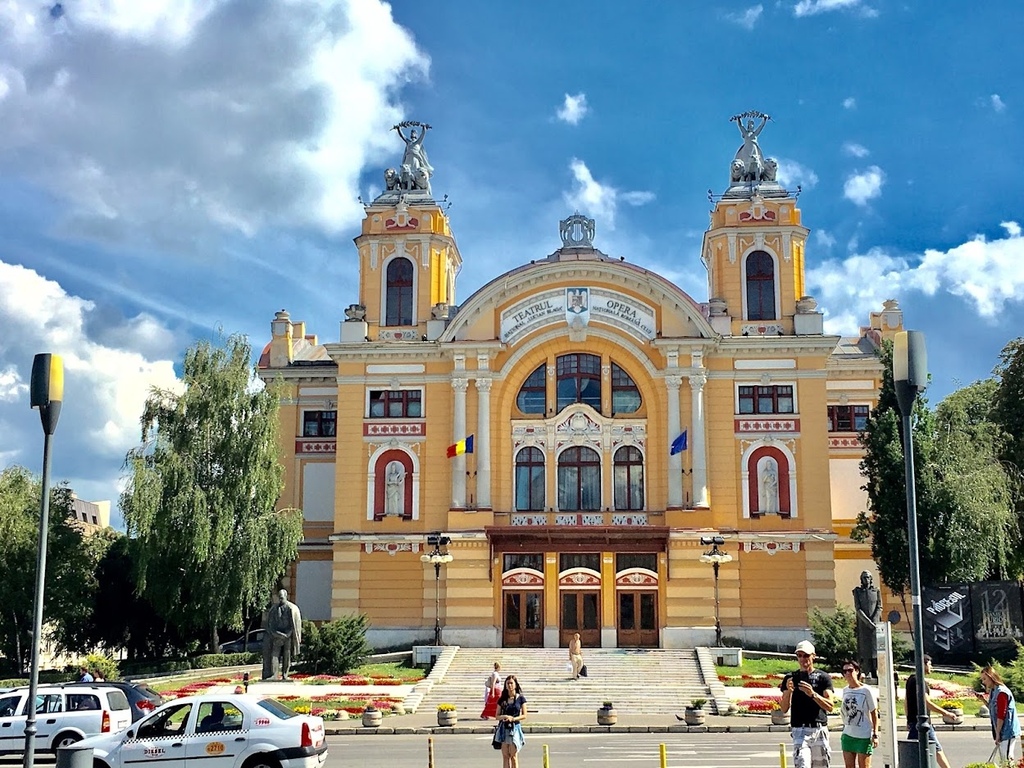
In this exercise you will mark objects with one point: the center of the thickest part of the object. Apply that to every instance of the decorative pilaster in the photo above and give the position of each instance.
(675, 462)
(458, 463)
(483, 443)
(698, 440)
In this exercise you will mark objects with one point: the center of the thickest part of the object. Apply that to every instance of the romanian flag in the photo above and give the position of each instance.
(461, 447)
(678, 445)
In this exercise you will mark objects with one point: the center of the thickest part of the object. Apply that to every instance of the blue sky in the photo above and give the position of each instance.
(173, 167)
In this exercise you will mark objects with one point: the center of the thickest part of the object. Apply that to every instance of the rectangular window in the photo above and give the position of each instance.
(848, 418)
(396, 404)
(319, 423)
(523, 560)
(766, 400)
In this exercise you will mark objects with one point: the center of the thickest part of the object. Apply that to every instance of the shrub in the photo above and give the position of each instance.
(697, 703)
(835, 636)
(105, 665)
(336, 647)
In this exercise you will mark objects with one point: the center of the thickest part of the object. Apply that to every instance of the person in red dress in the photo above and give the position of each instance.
(493, 693)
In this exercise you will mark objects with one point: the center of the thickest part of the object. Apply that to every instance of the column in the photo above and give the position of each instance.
(675, 463)
(458, 464)
(483, 443)
(697, 439)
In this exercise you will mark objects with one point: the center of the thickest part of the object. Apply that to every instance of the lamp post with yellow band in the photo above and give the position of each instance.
(47, 394)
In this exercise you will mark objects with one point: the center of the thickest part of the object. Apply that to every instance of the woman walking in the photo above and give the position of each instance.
(860, 719)
(493, 686)
(1002, 711)
(512, 709)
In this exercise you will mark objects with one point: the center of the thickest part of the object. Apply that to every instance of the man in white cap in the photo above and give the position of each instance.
(809, 693)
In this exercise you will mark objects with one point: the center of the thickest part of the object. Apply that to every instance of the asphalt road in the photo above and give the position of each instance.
(571, 750)
(627, 750)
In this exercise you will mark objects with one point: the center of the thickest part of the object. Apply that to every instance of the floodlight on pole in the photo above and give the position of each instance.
(716, 557)
(910, 376)
(47, 394)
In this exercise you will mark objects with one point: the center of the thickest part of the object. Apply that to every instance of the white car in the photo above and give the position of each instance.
(64, 714)
(216, 730)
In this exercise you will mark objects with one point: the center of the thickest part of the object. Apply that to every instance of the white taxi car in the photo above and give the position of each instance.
(219, 730)
(64, 714)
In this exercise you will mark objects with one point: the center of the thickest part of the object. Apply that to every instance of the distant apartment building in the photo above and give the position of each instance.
(91, 515)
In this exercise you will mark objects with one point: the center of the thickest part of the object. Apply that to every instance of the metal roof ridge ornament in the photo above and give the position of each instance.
(577, 231)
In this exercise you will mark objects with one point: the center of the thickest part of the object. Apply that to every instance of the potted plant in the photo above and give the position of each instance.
(778, 716)
(606, 714)
(372, 716)
(694, 714)
(954, 711)
(447, 715)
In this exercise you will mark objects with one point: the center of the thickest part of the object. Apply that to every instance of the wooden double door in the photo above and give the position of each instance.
(523, 619)
(580, 611)
(637, 619)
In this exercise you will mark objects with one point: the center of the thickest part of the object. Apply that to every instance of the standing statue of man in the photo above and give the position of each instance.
(867, 599)
(268, 659)
(768, 487)
(394, 490)
(284, 625)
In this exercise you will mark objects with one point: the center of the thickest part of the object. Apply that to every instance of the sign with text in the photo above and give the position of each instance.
(582, 305)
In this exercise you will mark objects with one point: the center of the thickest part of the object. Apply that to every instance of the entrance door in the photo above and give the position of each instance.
(581, 613)
(637, 621)
(523, 625)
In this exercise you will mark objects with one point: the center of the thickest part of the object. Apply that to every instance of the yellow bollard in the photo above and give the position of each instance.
(664, 755)
(546, 763)
(782, 756)
(430, 752)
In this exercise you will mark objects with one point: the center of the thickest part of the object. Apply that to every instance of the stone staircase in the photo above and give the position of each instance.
(637, 681)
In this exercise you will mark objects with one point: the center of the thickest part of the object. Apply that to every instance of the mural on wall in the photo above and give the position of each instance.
(966, 620)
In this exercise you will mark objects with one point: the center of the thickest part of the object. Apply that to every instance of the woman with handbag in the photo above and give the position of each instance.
(493, 693)
(512, 712)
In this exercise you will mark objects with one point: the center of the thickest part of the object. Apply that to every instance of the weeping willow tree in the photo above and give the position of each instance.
(202, 490)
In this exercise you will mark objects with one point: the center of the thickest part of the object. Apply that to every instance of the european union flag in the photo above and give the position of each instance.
(678, 445)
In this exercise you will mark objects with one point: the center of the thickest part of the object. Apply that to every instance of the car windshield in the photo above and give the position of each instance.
(277, 709)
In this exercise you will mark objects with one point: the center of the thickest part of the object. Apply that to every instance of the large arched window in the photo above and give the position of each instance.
(579, 480)
(532, 397)
(628, 478)
(625, 395)
(530, 480)
(760, 286)
(579, 380)
(399, 292)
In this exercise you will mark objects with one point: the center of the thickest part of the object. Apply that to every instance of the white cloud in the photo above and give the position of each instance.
(988, 273)
(791, 173)
(855, 150)
(160, 121)
(747, 18)
(849, 103)
(597, 200)
(573, 109)
(997, 103)
(105, 384)
(814, 7)
(864, 186)
(824, 239)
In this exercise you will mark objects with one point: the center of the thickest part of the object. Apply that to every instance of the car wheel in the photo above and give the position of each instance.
(261, 761)
(65, 740)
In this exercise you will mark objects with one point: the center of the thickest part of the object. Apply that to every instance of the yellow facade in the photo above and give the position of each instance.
(574, 373)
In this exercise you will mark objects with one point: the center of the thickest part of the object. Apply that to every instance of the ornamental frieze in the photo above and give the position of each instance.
(578, 578)
(766, 425)
(397, 428)
(522, 577)
(771, 547)
(528, 520)
(629, 519)
(389, 547)
(636, 578)
(315, 447)
(853, 441)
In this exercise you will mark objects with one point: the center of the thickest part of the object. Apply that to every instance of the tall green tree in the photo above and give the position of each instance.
(1008, 412)
(975, 521)
(202, 490)
(70, 580)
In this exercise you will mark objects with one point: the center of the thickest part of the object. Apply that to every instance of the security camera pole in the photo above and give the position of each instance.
(47, 393)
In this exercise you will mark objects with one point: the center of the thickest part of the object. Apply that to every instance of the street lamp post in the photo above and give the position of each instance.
(438, 557)
(47, 394)
(910, 376)
(716, 557)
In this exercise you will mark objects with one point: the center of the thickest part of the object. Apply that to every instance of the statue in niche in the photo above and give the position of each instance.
(394, 489)
(768, 486)
(867, 600)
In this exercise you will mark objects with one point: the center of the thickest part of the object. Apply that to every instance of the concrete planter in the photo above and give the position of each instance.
(693, 716)
(447, 717)
(372, 718)
(779, 717)
(606, 716)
